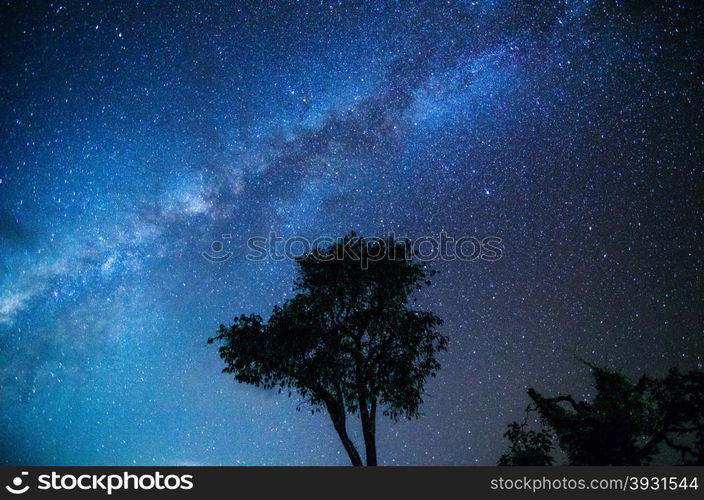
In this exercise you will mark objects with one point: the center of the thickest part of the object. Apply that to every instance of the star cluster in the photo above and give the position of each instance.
(135, 134)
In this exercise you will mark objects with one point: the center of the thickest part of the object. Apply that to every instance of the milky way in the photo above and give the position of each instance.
(132, 137)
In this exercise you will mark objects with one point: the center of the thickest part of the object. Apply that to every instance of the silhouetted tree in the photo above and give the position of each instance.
(625, 423)
(528, 447)
(347, 342)
(680, 400)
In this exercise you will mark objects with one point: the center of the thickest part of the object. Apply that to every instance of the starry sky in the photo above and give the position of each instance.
(133, 135)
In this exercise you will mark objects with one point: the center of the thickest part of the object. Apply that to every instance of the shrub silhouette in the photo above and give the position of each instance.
(625, 424)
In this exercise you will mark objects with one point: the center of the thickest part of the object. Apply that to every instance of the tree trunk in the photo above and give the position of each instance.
(366, 415)
(338, 418)
(368, 418)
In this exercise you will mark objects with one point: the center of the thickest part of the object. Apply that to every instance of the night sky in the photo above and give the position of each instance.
(133, 136)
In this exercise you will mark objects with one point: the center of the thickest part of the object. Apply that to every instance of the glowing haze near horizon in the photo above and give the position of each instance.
(132, 136)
